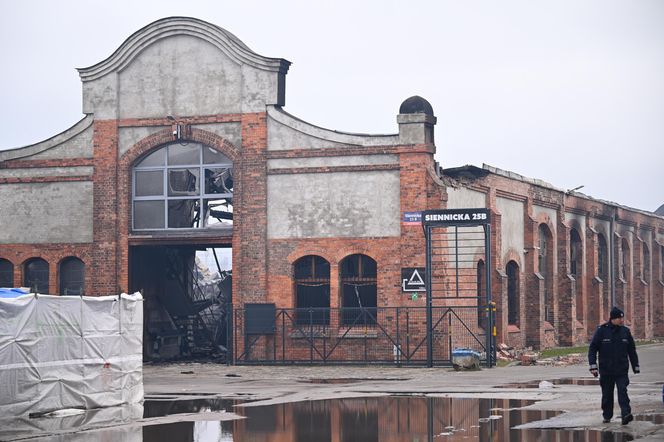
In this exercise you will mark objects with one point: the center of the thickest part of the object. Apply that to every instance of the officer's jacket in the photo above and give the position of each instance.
(614, 344)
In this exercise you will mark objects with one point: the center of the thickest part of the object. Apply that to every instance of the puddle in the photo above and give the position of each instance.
(160, 407)
(655, 418)
(563, 381)
(348, 380)
(411, 418)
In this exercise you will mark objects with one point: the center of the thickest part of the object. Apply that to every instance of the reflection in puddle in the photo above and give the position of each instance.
(392, 418)
(396, 418)
(160, 407)
(348, 380)
(563, 381)
(655, 418)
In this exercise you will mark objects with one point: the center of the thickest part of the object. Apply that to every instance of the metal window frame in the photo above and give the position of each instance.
(164, 168)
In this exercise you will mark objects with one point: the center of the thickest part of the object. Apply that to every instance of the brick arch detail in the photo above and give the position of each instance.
(143, 146)
(513, 255)
(66, 256)
(343, 253)
(42, 257)
(294, 256)
(165, 136)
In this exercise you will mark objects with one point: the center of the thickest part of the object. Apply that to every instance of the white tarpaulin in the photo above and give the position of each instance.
(70, 352)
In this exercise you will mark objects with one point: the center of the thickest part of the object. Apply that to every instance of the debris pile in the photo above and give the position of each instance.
(528, 356)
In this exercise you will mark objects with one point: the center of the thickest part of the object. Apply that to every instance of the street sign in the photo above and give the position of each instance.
(455, 217)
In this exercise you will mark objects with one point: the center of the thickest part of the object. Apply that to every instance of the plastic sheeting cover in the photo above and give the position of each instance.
(70, 352)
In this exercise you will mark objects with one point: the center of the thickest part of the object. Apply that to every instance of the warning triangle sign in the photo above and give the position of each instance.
(415, 278)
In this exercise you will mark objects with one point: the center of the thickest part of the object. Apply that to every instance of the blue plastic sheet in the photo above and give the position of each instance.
(12, 293)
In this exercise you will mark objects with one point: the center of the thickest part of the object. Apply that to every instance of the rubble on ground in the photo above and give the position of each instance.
(528, 356)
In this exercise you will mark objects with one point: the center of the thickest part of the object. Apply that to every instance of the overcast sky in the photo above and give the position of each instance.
(570, 92)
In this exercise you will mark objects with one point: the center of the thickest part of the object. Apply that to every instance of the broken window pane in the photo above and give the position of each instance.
(149, 215)
(184, 154)
(183, 213)
(149, 183)
(72, 277)
(183, 182)
(219, 180)
(218, 212)
(359, 290)
(213, 156)
(157, 158)
(36, 275)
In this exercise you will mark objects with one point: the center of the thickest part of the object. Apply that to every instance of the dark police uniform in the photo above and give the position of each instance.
(615, 345)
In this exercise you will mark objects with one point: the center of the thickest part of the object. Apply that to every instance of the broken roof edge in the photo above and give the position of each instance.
(279, 115)
(14, 153)
(483, 171)
(224, 40)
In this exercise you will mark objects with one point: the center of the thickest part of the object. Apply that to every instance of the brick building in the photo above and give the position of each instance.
(185, 146)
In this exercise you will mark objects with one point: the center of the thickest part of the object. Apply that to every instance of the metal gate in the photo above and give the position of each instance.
(458, 278)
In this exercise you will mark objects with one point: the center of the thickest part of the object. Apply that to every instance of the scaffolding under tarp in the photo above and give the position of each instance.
(59, 352)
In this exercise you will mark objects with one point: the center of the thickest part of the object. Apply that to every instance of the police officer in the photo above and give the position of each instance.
(615, 344)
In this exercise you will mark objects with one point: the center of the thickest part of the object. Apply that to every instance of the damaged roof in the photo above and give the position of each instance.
(473, 172)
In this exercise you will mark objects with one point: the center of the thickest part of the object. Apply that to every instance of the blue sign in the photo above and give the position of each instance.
(412, 218)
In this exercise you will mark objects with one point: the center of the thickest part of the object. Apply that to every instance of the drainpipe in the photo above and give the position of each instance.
(612, 257)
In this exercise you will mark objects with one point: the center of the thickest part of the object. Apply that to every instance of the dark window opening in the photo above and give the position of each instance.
(603, 269)
(576, 255)
(576, 268)
(513, 296)
(36, 275)
(312, 290)
(545, 269)
(72, 277)
(624, 259)
(646, 263)
(661, 264)
(359, 290)
(6, 273)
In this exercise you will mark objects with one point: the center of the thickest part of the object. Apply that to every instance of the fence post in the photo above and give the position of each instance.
(429, 300)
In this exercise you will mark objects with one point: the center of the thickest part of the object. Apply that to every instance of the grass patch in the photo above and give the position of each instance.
(583, 349)
(563, 351)
(502, 363)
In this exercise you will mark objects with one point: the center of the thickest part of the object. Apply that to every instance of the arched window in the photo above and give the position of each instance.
(603, 269)
(6, 273)
(545, 268)
(575, 253)
(183, 185)
(35, 275)
(359, 290)
(576, 268)
(72, 277)
(661, 263)
(646, 263)
(312, 290)
(624, 259)
(481, 295)
(513, 297)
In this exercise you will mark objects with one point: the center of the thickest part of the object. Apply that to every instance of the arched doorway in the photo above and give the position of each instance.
(180, 253)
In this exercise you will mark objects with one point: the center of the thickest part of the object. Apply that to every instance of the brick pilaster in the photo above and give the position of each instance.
(105, 199)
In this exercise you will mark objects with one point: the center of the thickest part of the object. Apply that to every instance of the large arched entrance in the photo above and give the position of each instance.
(180, 248)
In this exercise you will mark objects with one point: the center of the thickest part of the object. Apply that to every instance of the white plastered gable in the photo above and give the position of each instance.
(182, 66)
